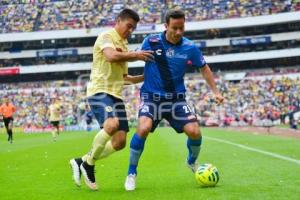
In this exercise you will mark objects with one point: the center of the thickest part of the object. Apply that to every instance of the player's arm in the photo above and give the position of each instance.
(113, 55)
(1, 113)
(209, 78)
(128, 79)
(14, 109)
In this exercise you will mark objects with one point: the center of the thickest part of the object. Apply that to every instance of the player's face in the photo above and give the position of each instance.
(126, 27)
(175, 29)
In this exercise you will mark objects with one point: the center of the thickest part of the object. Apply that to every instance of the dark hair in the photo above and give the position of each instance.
(175, 14)
(128, 13)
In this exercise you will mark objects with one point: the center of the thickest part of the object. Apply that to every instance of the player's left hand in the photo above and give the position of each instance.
(219, 98)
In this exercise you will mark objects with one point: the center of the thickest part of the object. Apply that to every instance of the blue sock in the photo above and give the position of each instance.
(136, 150)
(194, 149)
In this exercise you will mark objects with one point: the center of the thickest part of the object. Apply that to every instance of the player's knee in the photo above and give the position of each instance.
(111, 125)
(143, 130)
(193, 131)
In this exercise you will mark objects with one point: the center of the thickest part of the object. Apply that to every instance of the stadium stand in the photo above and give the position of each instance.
(62, 15)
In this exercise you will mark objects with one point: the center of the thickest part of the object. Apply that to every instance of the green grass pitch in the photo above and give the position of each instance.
(35, 167)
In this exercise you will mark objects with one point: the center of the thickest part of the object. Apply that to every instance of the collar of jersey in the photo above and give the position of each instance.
(163, 36)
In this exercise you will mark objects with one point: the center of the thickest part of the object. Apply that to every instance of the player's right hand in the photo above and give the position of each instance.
(219, 98)
(146, 56)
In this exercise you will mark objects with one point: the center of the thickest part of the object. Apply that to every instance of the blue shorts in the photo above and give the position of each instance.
(176, 111)
(105, 106)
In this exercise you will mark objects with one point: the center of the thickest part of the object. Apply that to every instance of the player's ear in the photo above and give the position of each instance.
(166, 25)
(118, 20)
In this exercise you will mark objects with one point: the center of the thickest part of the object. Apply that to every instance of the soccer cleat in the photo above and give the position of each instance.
(75, 165)
(130, 182)
(194, 166)
(88, 172)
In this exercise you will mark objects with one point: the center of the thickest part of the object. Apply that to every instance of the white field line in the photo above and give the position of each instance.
(255, 150)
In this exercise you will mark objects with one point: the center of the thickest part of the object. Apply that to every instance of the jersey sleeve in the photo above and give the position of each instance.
(105, 41)
(197, 58)
(14, 109)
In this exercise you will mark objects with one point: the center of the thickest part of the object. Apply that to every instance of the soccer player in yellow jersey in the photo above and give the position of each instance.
(54, 113)
(109, 74)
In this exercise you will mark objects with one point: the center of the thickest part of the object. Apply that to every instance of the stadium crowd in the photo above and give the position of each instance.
(249, 102)
(43, 15)
(33, 99)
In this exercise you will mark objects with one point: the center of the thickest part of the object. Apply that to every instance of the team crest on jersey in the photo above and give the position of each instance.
(145, 109)
(108, 109)
(170, 52)
(154, 39)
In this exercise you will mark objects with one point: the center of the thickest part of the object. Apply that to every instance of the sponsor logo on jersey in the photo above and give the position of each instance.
(145, 109)
(108, 109)
(154, 40)
(158, 52)
(170, 53)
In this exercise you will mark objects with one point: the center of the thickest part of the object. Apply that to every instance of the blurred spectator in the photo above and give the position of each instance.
(249, 102)
(43, 15)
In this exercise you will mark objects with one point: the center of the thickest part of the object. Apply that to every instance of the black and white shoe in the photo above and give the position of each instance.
(88, 172)
(193, 166)
(75, 165)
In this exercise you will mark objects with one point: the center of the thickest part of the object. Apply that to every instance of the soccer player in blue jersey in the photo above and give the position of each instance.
(163, 91)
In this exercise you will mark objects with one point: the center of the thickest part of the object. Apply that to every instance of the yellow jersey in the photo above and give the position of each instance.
(54, 110)
(108, 77)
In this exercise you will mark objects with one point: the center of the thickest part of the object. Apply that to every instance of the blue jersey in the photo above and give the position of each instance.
(166, 74)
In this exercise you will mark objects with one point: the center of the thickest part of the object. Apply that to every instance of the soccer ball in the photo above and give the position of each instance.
(207, 175)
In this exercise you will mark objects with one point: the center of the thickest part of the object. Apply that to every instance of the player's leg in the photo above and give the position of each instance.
(138, 141)
(194, 141)
(136, 149)
(116, 124)
(10, 129)
(52, 130)
(102, 137)
(148, 121)
(118, 140)
(103, 108)
(6, 128)
(117, 143)
(184, 120)
(57, 128)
